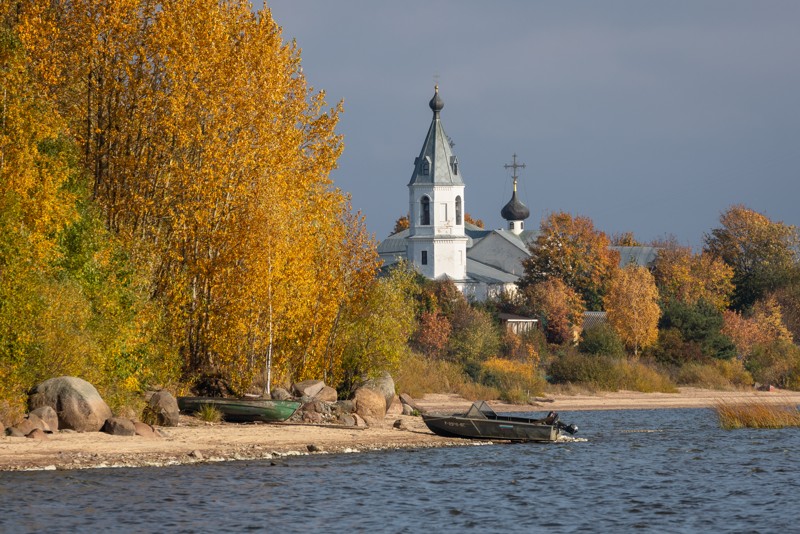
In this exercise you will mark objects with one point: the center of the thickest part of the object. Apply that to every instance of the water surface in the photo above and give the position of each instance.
(647, 470)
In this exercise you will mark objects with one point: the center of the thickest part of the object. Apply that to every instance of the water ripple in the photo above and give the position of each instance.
(650, 470)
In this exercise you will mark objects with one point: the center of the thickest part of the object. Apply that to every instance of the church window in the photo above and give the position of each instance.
(426, 166)
(454, 164)
(458, 210)
(425, 216)
(424, 257)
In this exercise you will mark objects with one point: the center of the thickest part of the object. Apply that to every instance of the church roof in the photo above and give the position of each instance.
(487, 274)
(642, 256)
(436, 163)
(515, 210)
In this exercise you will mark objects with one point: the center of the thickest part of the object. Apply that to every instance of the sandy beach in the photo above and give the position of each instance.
(194, 441)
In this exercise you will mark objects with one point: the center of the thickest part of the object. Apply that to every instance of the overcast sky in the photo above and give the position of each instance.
(650, 117)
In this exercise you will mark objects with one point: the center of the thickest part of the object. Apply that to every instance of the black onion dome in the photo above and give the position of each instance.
(515, 210)
(436, 102)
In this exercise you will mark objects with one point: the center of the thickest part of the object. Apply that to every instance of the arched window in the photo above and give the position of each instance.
(458, 210)
(426, 166)
(425, 215)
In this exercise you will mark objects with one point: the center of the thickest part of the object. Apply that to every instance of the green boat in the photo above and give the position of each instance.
(242, 410)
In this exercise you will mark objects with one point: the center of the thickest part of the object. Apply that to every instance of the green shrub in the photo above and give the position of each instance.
(602, 340)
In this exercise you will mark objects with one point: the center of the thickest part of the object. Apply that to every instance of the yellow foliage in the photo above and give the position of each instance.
(632, 307)
(210, 158)
(688, 278)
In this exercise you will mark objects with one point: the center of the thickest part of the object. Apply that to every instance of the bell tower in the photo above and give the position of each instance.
(437, 245)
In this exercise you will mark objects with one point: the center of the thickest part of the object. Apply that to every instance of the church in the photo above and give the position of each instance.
(440, 244)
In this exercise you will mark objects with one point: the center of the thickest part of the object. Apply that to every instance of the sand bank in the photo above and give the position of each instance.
(195, 441)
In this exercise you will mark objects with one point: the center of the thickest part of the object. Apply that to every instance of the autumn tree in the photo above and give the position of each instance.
(632, 307)
(471, 220)
(558, 307)
(433, 334)
(624, 239)
(402, 223)
(571, 249)
(762, 253)
(375, 329)
(763, 326)
(71, 300)
(686, 277)
(210, 158)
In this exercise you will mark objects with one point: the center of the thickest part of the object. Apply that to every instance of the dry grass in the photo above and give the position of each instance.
(756, 414)
(603, 373)
(419, 375)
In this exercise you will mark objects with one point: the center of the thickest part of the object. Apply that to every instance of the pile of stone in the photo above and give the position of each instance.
(368, 407)
(71, 404)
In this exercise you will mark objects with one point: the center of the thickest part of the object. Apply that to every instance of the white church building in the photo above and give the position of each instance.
(440, 244)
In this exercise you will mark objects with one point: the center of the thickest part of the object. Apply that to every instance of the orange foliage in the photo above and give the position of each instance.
(574, 251)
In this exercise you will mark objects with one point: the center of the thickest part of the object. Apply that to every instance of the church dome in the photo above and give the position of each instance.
(515, 210)
(436, 102)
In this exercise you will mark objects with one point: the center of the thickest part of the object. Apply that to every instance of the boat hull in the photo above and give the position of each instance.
(242, 410)
(463, 427)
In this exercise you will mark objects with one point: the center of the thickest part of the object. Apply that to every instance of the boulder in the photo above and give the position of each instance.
(119, 426)
(38, 423)
(48, 416)
(347, 420)
(408, 410)
(14, 432)
(308, 388)
(312, 417)
(383, 385)
(36, 433)
(26, 426)
(326, 394)
(144, 430)
(396, 408)
(370, 405)
(280, 394)
(344, 406)
(316, 406)
(400, 425)
(162, 409)
(406, 399)
(76, 402)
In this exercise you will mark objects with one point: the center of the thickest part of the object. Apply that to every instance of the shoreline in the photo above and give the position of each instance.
(197, 442)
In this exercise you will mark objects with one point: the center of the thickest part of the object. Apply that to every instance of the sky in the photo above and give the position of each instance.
(647, 117)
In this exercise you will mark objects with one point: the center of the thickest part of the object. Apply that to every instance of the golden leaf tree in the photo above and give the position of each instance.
(687, 278)
(210, 157)
(632, 307)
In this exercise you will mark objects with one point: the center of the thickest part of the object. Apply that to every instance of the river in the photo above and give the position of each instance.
(643, 470)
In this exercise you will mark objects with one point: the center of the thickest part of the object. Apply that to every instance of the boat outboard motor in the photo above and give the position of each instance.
(570, 429)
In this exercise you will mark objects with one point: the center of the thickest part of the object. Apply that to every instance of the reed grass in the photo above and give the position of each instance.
(209, 414)
(756, 414)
